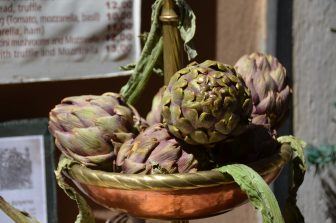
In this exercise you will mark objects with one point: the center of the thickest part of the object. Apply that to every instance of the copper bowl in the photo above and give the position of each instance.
(172, 196)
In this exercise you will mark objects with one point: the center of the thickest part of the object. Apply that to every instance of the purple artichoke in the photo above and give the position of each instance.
(156, 151)
(266, 79)
(91, 128)
(155, 115)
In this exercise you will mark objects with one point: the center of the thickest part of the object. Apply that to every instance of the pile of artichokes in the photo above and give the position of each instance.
(208, 115)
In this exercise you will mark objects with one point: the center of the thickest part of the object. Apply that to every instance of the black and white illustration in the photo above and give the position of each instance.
(22, 175)
(15, 169)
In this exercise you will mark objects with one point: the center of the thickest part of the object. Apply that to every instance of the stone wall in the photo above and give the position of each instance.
(314, 69)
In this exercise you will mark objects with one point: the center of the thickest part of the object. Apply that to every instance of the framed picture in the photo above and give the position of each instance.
(27, 169)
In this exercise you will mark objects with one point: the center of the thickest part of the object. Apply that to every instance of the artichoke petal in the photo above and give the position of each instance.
(123, 152)
(175, 131)
(184, 126)
(187, 163)
(130, 166)
(267, 104)
(154, 116)
(200, 137)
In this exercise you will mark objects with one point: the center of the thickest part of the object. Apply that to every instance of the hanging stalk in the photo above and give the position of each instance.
(149, 57)
(174, 29)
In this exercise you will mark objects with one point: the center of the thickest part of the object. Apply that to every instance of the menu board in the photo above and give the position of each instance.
(67, 39)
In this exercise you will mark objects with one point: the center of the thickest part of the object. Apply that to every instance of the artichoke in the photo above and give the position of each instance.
(156, 151)
(154, 116)
(266, 79)
(206, 103)
(91, 128)
(254, 144)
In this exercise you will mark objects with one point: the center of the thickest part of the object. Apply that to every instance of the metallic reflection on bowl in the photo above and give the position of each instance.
(173, 196)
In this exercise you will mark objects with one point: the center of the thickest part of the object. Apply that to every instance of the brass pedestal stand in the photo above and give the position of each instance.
(173, 197)
(172, 45)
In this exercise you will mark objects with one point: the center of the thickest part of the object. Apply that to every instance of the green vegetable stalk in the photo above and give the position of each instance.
(16, 215)
(151, 54)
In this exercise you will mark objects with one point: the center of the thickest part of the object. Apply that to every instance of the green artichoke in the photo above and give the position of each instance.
(254, 144)
(154, 116)
(266, 79)
(91, 128)
(206, 103)
(156, 151)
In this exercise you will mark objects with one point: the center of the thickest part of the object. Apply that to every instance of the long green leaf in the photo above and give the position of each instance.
(85, 214)
(257, 190)
(292, 213)
(16, 215)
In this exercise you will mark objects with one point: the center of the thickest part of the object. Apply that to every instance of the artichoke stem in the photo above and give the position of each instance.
(143, 80)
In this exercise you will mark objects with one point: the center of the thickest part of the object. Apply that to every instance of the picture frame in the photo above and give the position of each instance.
(27, 179)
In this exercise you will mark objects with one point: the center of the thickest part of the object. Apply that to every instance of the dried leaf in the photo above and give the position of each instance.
(15, 214)
(292, 213)
(85, 214)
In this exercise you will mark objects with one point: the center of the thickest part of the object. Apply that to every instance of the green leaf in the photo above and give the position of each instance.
(297, 145)
(16, 215)
(187, 27)
(257, 190)
(292, 213)
(85, 214)
(128, 67)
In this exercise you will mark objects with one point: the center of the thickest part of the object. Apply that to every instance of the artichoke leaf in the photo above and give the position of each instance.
(292, 213)
(85, 214)
(15, 214)
(257, 190)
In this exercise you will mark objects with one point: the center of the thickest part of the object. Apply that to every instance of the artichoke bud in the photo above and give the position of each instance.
(90, 129)
(154, 116)
(156, 151)
(266, 78)
(206, 103)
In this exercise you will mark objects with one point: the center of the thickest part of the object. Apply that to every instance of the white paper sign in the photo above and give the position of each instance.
(22, 175)
(67, 39)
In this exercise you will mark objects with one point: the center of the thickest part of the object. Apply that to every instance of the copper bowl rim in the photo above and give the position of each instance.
(164, 182)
